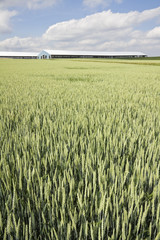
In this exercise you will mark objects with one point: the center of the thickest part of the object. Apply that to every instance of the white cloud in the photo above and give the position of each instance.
(96, 3)
(35, 4)
(31, 4)
(5, 17)
(22, 44)
(149, 14)
(104, 31)
(154, 33)
(103, 24)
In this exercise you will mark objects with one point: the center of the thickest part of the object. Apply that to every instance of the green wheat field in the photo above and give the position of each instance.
(79, 149)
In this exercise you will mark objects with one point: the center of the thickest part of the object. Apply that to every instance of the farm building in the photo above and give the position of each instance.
(19, 55)
(47, 54)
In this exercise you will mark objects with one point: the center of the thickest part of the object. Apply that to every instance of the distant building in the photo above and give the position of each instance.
(19, 55)
(47, 54)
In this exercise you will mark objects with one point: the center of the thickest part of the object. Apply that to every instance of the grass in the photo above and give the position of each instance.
(80, 149)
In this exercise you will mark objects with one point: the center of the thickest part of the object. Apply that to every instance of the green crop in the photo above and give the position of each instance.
(79, 149)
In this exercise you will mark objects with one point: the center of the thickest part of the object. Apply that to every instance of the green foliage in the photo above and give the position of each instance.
(80, 149)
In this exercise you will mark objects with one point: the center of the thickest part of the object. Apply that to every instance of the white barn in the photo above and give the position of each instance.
(19, 55)
(47, 54)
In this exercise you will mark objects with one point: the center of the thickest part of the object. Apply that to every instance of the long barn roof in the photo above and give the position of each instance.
(95, 53)
(18, 54)
(73, 53)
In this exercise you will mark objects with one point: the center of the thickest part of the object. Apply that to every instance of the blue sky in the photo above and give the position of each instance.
(102, 25)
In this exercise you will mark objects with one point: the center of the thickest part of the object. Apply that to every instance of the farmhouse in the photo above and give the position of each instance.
(47, 54)
(19, 55)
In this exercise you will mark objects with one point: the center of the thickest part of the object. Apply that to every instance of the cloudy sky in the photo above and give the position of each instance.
(102, 25)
